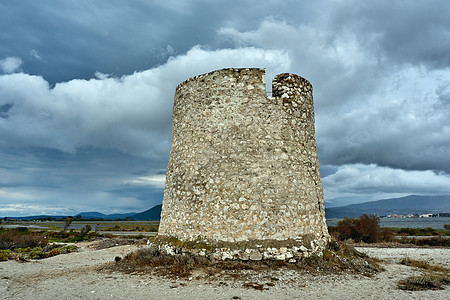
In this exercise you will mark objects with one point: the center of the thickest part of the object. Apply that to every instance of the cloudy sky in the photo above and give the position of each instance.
(86, 93)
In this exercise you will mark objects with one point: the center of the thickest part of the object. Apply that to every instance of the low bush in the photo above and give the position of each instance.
(85, 230)
(24, 254)
(4, 255)
(21, 237)
(22, 244)
(365, 229)
(72, 236)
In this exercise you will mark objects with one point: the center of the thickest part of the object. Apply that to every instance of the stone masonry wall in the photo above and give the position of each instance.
(243, 166)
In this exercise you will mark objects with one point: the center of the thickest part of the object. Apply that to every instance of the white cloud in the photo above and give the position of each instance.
(18, 210)
(131, 114)
(10, 64)
(156, 180)
(27, 209)
(101, 76)
(374, 182)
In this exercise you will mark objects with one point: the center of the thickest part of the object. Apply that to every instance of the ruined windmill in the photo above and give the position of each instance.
(243, 177)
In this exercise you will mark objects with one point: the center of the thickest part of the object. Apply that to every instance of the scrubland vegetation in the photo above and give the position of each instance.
(367, 229)
(149, 226)
(22, 243)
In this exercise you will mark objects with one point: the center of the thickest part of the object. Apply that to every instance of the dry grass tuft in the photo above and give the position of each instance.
(434, 276)
(421, 264)
(151, 260)
(104, 243)
(423, 282)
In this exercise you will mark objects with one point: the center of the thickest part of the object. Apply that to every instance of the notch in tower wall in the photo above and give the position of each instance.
(243, 168)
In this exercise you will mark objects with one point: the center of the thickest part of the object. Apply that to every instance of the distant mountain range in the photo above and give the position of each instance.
(97, 215)
(152, 214)
(406, 205)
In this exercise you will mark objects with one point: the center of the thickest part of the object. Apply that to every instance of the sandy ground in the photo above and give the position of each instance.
(76, 276)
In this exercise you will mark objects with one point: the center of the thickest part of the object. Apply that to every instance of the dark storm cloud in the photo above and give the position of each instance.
(63, 40)
(402, 120)
(399, 31)
(409, 133)
(74, 39)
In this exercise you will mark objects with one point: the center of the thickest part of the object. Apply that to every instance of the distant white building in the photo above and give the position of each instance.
(425, 215)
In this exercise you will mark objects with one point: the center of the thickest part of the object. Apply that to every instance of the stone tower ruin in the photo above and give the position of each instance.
(243, 167)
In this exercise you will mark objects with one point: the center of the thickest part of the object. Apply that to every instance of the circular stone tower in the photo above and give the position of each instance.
(243, 167)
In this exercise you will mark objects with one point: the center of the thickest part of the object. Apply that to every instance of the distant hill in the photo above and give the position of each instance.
(406, 205)
(153, 214)
(97, 215)
(84, 215)
(28, 218)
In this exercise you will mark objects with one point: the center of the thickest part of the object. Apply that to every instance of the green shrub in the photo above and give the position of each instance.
(5, 255)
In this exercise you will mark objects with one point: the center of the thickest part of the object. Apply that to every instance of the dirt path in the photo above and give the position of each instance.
(75, 276)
